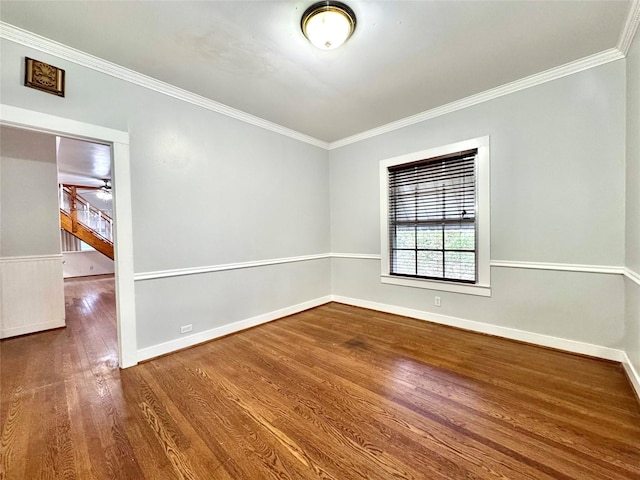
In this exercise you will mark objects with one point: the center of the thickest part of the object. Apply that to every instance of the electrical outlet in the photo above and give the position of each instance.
(91, 267)
(437, 301)
(186, 328)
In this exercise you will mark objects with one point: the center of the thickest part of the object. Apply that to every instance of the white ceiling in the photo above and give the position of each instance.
(83, 163)
(405, 57)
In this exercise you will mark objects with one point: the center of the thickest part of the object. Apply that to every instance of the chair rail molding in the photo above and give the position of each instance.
(178, 272)
(562, 267)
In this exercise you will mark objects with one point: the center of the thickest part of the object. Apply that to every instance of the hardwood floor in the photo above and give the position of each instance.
(335, 392)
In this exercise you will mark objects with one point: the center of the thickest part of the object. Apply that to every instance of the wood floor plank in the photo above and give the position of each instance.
(343, 435)
(541, 446)
(342, 398)
(333, 393)
(494, 400)
(444, 422)
(13, 439)
(262, 445)
(333, 416)
(515, 378)
(177, 429)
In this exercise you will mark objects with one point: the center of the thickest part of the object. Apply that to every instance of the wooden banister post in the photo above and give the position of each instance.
(74, 211)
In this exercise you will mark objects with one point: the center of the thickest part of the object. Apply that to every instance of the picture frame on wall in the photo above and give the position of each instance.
(44, 77)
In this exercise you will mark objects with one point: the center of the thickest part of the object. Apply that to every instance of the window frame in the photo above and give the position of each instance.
(482, 286)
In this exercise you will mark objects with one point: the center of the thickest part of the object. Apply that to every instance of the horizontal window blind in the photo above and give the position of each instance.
(432, 218)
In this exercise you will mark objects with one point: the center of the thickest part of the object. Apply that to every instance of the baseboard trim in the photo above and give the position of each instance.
(632, 374)
(207, 335)
(499, 331)
(32, 328)
(571, 346)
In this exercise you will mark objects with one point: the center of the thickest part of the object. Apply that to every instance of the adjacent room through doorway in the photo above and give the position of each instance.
(57, 236)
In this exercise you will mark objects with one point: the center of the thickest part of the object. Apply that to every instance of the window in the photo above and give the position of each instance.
(432, 222)
(435, 218)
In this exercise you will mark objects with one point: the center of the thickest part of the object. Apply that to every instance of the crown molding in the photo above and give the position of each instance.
(37, 42)
(630, 27)
(633, 276)
(585, 63)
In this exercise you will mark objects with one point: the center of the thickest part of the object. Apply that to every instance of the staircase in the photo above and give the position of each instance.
(85, 222)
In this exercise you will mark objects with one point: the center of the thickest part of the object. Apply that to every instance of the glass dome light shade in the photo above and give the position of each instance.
(328, 25)
(103, 194)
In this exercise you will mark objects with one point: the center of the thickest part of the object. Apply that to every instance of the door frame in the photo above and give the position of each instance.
(123, 224)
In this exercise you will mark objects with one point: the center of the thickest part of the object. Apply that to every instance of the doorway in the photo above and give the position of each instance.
(119, 143)
(85, 198)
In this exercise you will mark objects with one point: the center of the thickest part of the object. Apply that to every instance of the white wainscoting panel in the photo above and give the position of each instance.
(31, 294)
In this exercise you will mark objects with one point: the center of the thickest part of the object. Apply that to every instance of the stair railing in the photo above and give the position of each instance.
(81, 211)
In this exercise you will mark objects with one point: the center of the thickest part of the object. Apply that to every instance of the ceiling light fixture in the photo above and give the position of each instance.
(328, 24)
(105, 191)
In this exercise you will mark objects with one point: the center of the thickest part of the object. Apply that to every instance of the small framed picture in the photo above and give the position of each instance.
(43, 76)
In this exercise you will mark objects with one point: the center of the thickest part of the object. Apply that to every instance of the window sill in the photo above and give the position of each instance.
(480, 290)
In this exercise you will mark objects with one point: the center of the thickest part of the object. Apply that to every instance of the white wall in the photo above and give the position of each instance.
(212, 300)
(28, 194)
(83, 264)
(632, 210)
(31, 283)
(557, 196)
(206, 190)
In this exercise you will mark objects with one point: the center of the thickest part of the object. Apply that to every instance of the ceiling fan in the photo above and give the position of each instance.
(105, 191)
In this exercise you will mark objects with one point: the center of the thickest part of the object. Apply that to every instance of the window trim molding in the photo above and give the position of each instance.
(483, 219)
